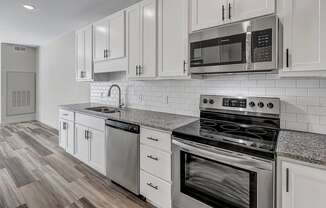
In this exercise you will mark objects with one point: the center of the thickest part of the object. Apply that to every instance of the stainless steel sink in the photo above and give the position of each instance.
(104, 109)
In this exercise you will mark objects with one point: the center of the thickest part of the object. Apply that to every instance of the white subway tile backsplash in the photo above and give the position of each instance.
(303, 101)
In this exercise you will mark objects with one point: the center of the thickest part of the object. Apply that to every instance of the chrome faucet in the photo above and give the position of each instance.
(109, 93)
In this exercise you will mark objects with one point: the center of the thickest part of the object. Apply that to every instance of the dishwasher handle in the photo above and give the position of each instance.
(123, 126)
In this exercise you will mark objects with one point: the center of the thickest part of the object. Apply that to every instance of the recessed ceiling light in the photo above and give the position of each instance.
(29, 6)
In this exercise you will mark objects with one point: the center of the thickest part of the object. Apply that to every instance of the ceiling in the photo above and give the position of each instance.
(51, 19)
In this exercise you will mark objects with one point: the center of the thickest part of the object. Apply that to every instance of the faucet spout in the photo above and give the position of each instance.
(119, 89)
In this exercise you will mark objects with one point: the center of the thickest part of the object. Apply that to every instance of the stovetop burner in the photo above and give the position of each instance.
(250, 133)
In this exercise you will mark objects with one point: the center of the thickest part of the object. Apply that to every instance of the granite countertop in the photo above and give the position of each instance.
(307, 147)
(163, 121)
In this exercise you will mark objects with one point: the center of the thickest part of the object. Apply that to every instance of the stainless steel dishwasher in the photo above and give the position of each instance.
(123, 154)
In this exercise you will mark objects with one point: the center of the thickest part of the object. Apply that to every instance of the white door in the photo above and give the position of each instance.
(70, 137)
(304, 24)
(148, 14)
(117, 37)
(97, 150)
(238, 10)
(80, 53)
(63, 134)
(81, 143)
(100, 43)
(207, 13)
(88, 53)
(133, 40)
(173, 37)
(306, 186)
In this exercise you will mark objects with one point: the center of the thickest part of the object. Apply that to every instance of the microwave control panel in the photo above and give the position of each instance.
(262, 46)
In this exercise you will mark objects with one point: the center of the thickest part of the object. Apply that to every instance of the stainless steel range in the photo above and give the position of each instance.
(227, 158)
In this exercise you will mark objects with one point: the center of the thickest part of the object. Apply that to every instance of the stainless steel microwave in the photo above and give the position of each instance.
(249, 46)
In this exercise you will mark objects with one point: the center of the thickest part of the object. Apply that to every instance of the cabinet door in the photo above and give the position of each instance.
(80, 54)
(303, 186)
(63, 134)
(70, 137)
(173, 38)
(97, 150)
(238, 10)
(148, 14)
(133, 39)
(206, 13)
(88, 52)
(304, 24)
(100, 40)
(117, 36)
(81, 143)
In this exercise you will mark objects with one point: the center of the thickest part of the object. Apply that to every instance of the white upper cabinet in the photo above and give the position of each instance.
(302, 186)
(207, 13)
(245, 9)
(173, 38)
(117, 46)
(84, 54)
(100, 44)
(304, 25)
(109, 45)
(142, 39)
(210, 13)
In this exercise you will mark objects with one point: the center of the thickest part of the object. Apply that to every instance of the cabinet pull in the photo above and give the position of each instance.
(64, 126)
(152, 139)
(287, 179)
(287, 58)
(152, 186)
(104, 53)
(85, 134)
(140, 70)
(152, 157)
(223, 12)
(136, 70)
(66, 114)
(230, 15)
(184, 66)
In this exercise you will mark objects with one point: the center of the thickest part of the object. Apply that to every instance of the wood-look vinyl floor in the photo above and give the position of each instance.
(36, 173)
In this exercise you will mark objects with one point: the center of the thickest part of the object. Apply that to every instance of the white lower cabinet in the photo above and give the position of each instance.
(301, 185)
(155, 166)
(82, 145)
(97, 150)
(66, 138)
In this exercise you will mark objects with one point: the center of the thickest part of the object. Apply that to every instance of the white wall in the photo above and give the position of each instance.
(56, 79)
(303, 100)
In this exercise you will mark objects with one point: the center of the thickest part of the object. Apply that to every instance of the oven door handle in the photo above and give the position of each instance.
(227, 157)
(248, 51)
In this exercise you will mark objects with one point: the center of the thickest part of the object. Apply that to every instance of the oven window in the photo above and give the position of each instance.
(217, 184)
(220, 51)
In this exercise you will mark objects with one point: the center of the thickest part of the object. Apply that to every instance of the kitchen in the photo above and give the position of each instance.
(188, 103)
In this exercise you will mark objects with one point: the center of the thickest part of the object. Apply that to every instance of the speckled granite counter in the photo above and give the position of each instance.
(307, 147)
(163, 121)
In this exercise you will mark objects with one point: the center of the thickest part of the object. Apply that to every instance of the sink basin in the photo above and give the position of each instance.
(104, 109)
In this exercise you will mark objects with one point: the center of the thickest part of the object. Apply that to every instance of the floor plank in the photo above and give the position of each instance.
(43, 151)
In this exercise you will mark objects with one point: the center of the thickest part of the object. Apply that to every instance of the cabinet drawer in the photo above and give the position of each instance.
(155, 190)
(156, 162)
(90, 121)
(67, 115)
(157, 139)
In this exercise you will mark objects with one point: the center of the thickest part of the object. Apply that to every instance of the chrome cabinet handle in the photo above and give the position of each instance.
(140, 69)
(152, 139)
(287, 58)
(85, 134)
(64, 126)
(184, 66)
(230, 16)
(152, 186)
(223, 12)
(152, 157)
(287, 179)
(104, 53)
(65, 114)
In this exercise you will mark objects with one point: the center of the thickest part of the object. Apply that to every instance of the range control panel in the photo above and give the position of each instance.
(247, 104)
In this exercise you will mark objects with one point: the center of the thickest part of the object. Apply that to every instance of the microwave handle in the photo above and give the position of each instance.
(248, 50)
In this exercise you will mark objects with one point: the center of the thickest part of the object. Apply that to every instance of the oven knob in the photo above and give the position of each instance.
(270, 105)
(261, 104)
(205, 101)
(252, 104)
(211, 101)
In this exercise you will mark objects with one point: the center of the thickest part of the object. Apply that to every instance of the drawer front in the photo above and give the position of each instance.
(156, 162)
(67, 115)
(90, 121)
(157, 139)
(155, 190)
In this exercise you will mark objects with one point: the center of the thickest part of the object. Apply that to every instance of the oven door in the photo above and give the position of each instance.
(223, 54)
(208, 177)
